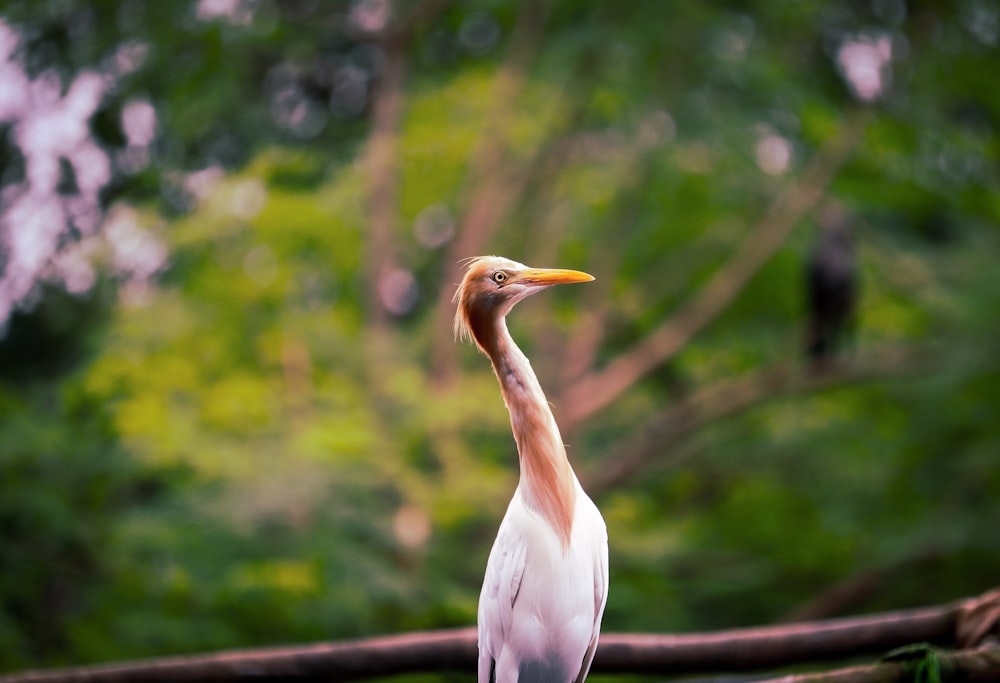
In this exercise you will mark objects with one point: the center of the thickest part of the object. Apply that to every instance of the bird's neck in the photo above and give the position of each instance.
(548, 483)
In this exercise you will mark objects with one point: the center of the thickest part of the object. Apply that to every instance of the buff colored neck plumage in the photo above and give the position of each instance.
(547, 480)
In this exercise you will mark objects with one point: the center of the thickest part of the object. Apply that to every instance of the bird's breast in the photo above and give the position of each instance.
(555, 609)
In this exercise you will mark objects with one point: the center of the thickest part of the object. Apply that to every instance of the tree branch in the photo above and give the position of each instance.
(752, 649)
(582, 346)
(854, 590)
(973, 666)
(769, 647)
(382, 152)
(731, 396)
(596, 390)
(382, 163)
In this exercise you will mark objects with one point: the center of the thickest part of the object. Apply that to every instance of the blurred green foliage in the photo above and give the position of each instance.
(243, 451)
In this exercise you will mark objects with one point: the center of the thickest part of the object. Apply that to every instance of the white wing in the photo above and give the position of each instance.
(504, 570)
(600, 600)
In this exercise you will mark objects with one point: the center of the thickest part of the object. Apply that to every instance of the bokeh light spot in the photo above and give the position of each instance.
(249, 198)
(863, 61)
(261, 265)
(139, 122)
(774, 154)
(398, 291)
(411, 526)
(434, 226)
(479, 32)
(369, 16)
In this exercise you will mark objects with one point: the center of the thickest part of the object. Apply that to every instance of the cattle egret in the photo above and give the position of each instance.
(546, 580)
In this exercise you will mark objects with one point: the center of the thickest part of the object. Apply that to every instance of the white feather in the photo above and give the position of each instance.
(540, 609)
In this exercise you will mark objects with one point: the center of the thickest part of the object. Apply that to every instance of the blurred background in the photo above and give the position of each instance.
(232, 412)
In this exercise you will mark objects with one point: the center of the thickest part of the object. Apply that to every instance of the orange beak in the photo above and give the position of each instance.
(552, 276)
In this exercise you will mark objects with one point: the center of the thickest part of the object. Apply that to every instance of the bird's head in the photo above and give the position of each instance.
(491, 287)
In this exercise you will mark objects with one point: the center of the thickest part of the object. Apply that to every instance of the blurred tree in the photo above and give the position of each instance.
(65, 485)
(280, 193)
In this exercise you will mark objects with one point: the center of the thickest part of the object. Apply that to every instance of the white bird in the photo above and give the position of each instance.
(546, 580)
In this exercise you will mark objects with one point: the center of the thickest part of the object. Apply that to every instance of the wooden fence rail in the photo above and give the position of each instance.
(962, 624)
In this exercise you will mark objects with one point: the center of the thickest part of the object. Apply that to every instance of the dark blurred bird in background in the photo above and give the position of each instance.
(831, 287)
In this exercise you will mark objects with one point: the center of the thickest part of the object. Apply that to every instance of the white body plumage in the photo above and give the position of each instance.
(541, 606)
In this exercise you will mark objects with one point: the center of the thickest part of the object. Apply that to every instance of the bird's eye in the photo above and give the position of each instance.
(500, 277)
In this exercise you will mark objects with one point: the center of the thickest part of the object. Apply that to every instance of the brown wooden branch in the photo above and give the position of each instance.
(344, 661)
(568, 356)
(382, 166)
(581, 348)
(596, 390)
(581, 345)
(981, 665)
(770, 647)
(752, 649)
(382, 152)
(731, 396)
